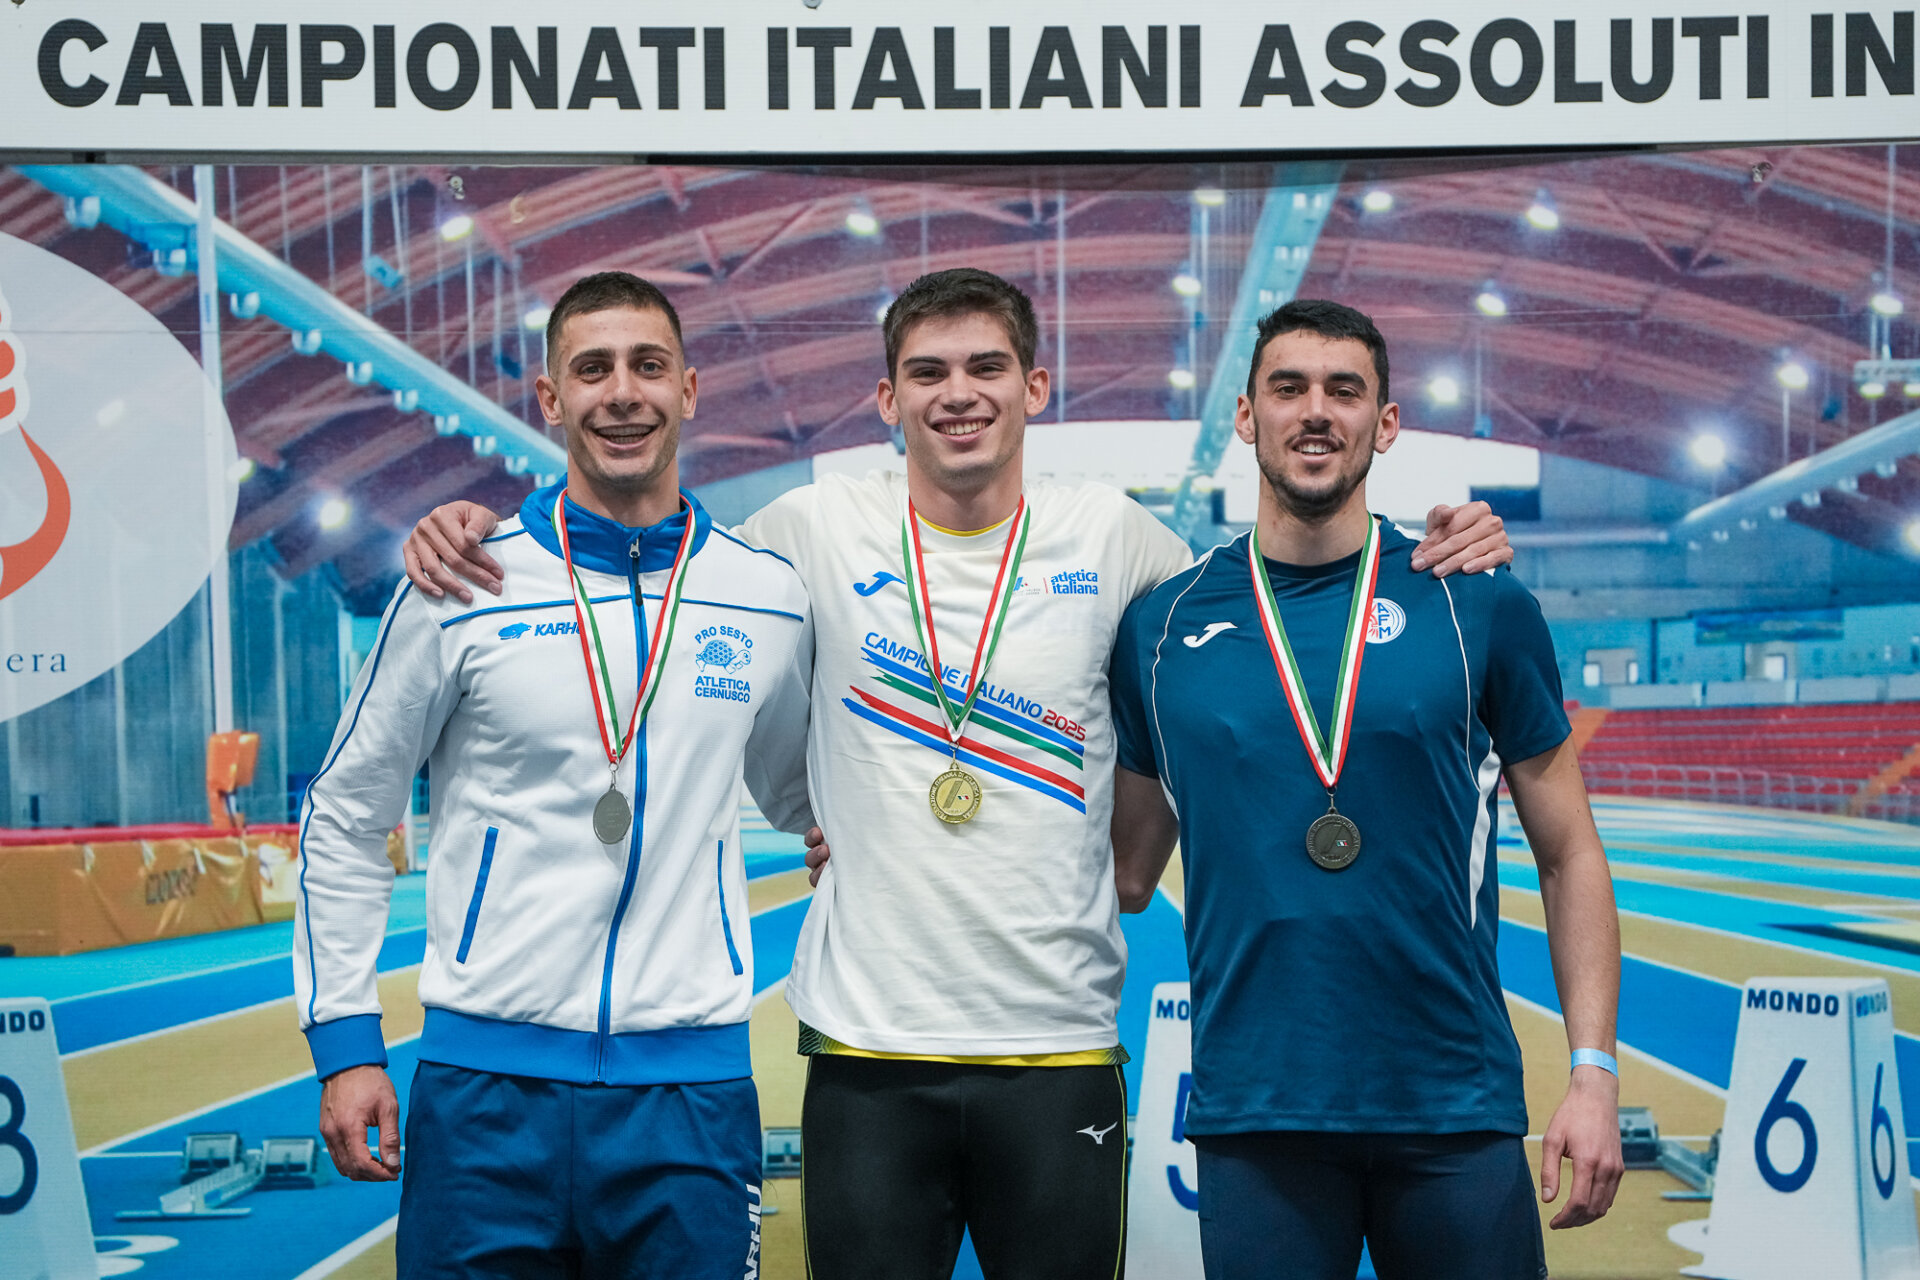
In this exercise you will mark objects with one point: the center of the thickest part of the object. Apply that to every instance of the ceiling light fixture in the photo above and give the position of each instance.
(1181, 379)
(458, 227)
(334, 512)
(1541, 214)
(861, 222)
(1886, 304)
(1212, 197)
(1377, 200)
(1187, 285)
(1792, 375)
(1444, 390)
(1709, 450)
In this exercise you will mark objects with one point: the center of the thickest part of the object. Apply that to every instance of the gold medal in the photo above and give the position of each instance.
(955, 796)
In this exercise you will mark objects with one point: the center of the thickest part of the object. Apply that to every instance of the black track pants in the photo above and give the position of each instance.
(900, 1156)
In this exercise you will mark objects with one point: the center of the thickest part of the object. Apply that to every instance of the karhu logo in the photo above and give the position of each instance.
(515, 631)
(753, 1240)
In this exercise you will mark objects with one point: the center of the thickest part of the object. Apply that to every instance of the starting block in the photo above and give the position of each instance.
(216, 1169)
(1812, 1176)
(1643, 1148)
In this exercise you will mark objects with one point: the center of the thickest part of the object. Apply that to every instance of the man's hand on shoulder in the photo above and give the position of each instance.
(352, 1102)
(1585, 1130)
(446, 542)
(1469, 539)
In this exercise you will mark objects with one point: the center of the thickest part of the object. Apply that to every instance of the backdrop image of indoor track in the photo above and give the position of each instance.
(1704, 893)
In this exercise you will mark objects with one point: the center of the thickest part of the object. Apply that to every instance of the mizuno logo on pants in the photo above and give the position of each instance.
(1099, 1136)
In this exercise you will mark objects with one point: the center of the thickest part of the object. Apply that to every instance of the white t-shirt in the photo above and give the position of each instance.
(1001, 935)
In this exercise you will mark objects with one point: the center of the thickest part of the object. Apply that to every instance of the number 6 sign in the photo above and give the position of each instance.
(1813, 1177)
(44, 1228)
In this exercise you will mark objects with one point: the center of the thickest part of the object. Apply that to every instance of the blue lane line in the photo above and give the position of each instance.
(1156, 952)
(84, 1022)
(165, 984)
(60, 978)
(1842, 879)
(303, 1226)
(1684, 1019)
(775, 933)
(1733, 913)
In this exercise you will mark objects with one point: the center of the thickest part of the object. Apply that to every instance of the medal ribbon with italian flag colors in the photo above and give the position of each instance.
(955, 722)
(1329, 749)
(599, 679)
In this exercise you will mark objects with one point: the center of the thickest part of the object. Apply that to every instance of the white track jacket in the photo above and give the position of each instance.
(548, 953)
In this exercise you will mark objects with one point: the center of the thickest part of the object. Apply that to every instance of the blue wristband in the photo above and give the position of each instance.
(1596, 1058)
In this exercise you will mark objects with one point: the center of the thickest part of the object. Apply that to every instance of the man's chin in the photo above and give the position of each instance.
(1314, 501)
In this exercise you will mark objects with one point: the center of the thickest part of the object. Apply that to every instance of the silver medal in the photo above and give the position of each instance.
(612, 815)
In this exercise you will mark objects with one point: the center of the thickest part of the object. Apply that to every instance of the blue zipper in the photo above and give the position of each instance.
(479, 892)
(720, 869)
(639, 811)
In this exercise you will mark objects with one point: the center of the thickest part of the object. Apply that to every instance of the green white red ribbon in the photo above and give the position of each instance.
(954, 722)
(1328, 750)
(599, 679)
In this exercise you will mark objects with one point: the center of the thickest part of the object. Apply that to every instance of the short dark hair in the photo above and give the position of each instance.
(1329, 320)
(959, 292)
(603, 291)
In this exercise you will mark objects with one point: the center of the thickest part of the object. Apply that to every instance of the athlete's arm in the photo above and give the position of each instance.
(352, 1102)
(446, 542)
(1469, 539)
(391, 721)
(1144, 831)
(1583, 935)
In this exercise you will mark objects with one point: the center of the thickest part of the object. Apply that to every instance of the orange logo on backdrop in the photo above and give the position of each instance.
(22, 560)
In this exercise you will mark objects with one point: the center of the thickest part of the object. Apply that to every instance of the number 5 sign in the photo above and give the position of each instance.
(45, 1233)
(1813, 1177)
(1163, 1231)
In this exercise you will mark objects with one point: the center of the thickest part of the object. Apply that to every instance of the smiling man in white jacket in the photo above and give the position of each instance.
(584, 1102)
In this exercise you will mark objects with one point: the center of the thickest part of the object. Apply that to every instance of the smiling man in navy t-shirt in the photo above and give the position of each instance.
(1331, 729)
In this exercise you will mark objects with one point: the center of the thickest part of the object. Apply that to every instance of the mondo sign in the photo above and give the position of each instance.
(867, 77)
(104, 488)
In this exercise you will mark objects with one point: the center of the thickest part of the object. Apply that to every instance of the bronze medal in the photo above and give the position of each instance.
(1333, 841)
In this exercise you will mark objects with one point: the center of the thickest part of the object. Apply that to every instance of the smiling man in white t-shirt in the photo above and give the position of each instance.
(959, 973)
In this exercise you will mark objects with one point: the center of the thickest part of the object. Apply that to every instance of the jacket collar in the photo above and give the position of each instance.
(604, 545)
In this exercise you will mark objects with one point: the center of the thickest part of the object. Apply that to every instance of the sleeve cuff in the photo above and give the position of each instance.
(346, 1042)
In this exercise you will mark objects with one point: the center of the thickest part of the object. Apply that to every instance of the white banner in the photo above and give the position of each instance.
(998, 77)
(105, 527)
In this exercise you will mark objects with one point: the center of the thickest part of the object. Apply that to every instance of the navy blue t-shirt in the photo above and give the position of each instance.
(1363, 1000)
